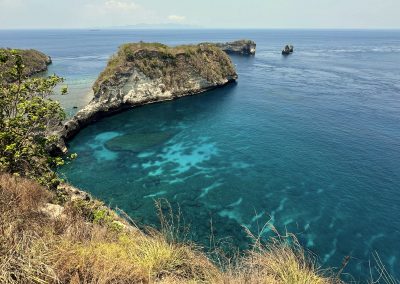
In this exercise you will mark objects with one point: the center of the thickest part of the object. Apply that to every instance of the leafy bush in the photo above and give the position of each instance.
(27, 115)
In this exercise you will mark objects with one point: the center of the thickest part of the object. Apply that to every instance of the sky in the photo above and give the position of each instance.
(302, 14)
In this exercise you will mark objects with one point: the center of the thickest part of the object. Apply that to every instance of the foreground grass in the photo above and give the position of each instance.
(87, 243)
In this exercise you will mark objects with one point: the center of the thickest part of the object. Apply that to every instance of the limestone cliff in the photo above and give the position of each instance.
(34, 61)
(243, 47)
(142, 73)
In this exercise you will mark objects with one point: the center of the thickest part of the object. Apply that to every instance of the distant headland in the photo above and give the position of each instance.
(143, 73)
(34, 61)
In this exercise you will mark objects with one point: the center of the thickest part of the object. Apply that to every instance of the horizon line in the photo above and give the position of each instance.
(128, 27)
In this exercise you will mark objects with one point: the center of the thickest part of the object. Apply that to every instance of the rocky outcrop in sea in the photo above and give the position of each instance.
(243, 47)
(143, 73)
(288, 49)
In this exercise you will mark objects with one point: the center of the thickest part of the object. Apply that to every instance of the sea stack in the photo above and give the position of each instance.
(288, 49)
(142, 73)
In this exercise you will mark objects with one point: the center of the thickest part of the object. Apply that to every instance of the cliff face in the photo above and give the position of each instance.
(142, 73)
(34, 61)
(243, 47)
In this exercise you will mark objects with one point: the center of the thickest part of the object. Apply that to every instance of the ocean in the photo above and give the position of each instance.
(308, 143)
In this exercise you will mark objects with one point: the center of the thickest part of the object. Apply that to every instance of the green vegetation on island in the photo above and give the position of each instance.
(34, 62)
(174, 65)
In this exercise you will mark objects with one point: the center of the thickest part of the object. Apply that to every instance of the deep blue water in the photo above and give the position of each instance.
(310, 142)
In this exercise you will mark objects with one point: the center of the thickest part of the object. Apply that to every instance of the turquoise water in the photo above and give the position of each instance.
(309, 142)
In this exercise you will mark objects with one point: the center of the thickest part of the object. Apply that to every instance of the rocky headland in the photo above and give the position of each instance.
(142, 73)
(34, 61)
(243, 47)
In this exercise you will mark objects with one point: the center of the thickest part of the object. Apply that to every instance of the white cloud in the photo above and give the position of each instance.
(112, 7)
(9, 4)
(176, 18)
(118, 5)
(109, 13)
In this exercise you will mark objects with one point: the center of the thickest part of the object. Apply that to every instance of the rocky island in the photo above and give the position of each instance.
(34, 61)
(142, 73)
(243, 47)
(288, 49)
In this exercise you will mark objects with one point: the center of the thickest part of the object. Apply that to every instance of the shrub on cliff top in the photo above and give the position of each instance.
(26, 115)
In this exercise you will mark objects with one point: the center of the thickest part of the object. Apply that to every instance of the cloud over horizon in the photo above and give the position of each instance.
(176, 18)
(207, 13)
(122, 5)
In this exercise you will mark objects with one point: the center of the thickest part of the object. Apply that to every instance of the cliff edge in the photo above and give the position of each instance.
(142, 73)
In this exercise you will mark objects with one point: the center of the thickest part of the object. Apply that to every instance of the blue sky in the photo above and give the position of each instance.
(203, 13)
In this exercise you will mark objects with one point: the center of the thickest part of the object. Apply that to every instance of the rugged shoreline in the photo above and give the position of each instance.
(112, 111)
(144, 73)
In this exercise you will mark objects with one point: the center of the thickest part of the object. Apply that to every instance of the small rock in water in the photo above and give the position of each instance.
(288, 49)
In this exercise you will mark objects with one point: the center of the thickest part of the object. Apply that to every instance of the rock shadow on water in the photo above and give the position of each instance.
(138, 142)
(101, 153)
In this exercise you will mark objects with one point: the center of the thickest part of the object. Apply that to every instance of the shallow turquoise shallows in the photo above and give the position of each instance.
(309, 142)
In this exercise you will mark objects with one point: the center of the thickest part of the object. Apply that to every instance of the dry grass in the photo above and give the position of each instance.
(84, 247)
(21, 225)
(383, 276)
(129, 257)
(35, 248)
(281, 260)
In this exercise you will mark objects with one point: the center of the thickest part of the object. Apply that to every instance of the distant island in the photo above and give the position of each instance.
(34, 61)
(150, 27)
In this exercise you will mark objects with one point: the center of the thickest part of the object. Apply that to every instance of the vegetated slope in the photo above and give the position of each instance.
(85, 242)
(175, 66)
(34, 61)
